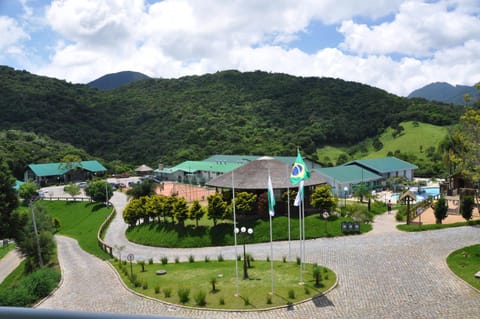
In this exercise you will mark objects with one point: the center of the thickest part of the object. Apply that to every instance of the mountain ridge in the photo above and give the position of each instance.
(446, 93)
(114, 80)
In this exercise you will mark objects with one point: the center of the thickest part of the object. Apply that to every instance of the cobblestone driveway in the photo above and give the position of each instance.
(385, 274)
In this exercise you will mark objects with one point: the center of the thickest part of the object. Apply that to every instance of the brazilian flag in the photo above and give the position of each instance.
(300, 171)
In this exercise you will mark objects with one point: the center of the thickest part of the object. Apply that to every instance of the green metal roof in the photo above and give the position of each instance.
(195, 166)
(54, 169)
(349, 174)
(384, 164)
(18, 184)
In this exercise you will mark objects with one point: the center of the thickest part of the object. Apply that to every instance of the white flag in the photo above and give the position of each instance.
(299, 197)
(271, 198)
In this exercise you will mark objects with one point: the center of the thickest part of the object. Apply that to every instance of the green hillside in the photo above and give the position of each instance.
(416, 143)
(171, 120)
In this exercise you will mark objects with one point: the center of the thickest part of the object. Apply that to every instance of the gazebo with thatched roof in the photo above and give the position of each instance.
(254, 176)
(143, 170)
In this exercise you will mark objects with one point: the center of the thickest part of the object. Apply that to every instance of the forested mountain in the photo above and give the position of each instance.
(447, 93)
(171, 120)
(115, 80)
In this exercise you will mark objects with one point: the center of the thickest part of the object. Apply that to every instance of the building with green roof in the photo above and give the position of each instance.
(343, 179)
(54, 173)
(387, 167)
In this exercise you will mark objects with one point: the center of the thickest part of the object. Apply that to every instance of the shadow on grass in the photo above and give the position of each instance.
(95, 206)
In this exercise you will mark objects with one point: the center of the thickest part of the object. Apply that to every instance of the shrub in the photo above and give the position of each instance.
(145, 285)
(220, 257)
(164, 260)
(291, 294)
(191, 259)
(207, 259)
(200, 298)
(177, 260)
(221, 301)
(246, 301)
(183, 295)
(167, 292)
(142, 264)
(299, 260)
(157, 289)
(307, 290)
(268, 258)
(150, 261)
(284, 259)
(269, 300)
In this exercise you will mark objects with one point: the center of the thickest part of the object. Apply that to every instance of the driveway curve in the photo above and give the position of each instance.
(383, 274)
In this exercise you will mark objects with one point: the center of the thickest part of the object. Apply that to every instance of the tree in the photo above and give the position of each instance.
(181, 210)
(27, 242)
(216, 207)
(28, 192)
(10, 220)
(322, 198)
(466, 207)
(317, 274)
(99, 191)
(145, 188)
(196, 212)
(131, 212)
(245, 202)
(441, 210)
(69, 162)
(72, 189)
(467, 136)
(361, 191)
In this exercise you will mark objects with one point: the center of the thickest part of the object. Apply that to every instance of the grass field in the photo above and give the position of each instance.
(465, 262)
(80, 220)
(254, 293)
(170, 235)
(415, 139)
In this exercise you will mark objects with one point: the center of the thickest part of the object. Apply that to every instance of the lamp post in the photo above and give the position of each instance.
(244, 232)
(345, 190)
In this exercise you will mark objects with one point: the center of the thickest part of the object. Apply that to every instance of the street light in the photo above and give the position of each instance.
(244, 232)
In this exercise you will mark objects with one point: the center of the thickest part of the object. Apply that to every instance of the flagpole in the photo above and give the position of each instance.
(270, 186)
(288, 218)
(300, 190)
(303, 227)
(235, 236)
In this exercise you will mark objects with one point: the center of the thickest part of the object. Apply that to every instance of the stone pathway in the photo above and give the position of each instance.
(384, 274)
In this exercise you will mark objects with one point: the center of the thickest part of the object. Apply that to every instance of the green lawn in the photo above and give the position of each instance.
(253, 292)
(173, 235)
(80, 220)
(415, 228)
(465, 263)
(6, 250)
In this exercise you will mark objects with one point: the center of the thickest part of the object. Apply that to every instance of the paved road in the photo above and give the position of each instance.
(384, 274)
(8, 263)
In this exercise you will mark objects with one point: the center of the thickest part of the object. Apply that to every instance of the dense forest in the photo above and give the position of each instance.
(170, 120)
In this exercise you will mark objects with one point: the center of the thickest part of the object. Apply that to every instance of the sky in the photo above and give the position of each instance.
(395, 45)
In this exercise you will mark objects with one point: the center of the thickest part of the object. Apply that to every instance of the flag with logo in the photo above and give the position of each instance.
(271, 198)
(300, 171)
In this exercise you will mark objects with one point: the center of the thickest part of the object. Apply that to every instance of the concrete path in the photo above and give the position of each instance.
(384, 274)
(8, 263)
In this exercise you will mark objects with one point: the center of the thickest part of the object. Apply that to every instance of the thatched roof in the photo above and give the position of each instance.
(254, 175)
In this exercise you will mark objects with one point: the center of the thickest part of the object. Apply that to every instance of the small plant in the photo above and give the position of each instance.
(221, 301)
(200, 298)
(191, 259)
(246, 301)
(299, 260)
(164, 260)
(269, 300)
(268, 258)
(307, 290)
(183, 295)
(284, 259)
(157, 289)
(137, 283)
(213, 282)
(142, 264)
(177, 260)
(145, 285)
(150, 261)
(167, 292)
(207, 259)
(291, 294)
(133, 278)
(239, 257)
(220, 257)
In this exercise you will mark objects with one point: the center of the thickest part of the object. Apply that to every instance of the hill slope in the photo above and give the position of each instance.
(115, 80)
(447, 93)
(168, 121)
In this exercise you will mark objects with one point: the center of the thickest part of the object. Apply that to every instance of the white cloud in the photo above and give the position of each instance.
(12, 36)
(172, 38)
(418, 29)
